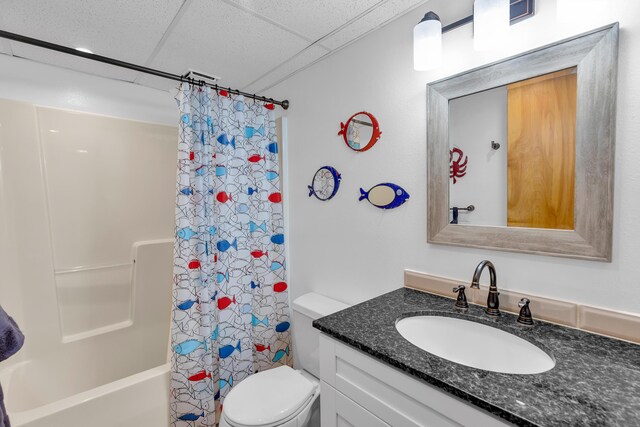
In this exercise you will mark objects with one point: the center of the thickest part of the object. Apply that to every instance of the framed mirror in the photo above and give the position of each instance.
(361, 132)
(533, 137)
(325, 183)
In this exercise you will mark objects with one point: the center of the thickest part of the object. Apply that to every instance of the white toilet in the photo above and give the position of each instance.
(285, 397)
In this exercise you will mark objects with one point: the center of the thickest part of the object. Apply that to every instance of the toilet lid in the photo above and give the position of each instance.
(268, 397)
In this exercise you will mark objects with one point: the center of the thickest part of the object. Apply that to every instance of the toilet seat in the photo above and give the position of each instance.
(269, 398)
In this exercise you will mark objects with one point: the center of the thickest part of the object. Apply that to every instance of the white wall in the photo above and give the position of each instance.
(352, 251)
(474, 121)
(46, 85)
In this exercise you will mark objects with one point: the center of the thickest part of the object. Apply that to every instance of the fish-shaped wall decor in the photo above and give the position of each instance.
(385, 195)
(325, 183)
(361, 131)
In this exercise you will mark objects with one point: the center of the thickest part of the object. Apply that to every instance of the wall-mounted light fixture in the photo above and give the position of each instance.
(427, 42)
(491, 19)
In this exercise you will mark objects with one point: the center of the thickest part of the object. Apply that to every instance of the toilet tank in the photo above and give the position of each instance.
(306, 339)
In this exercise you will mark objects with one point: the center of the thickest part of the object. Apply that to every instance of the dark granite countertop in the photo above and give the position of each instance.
(596, 380)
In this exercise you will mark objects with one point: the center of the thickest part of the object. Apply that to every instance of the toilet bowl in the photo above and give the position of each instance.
(285, 397)
(280, 397)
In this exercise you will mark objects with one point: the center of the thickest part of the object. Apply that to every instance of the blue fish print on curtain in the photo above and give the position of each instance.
(230, 304)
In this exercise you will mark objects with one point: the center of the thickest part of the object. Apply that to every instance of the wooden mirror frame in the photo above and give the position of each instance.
(595, 54)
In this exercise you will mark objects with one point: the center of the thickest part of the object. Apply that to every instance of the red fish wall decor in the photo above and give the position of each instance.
(351, 131)
(457, 164)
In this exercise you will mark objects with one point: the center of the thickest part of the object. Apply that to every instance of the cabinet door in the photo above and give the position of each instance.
(392, 396)
(337, 410)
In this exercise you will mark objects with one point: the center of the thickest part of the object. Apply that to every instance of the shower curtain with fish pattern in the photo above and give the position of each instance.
(230, 314)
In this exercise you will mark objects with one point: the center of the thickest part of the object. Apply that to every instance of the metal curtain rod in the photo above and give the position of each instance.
(92, 56)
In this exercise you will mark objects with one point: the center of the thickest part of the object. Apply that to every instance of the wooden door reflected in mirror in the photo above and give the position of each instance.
(541, 132)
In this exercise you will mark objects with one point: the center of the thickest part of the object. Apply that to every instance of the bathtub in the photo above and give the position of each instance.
(114, 376)
(139, 400)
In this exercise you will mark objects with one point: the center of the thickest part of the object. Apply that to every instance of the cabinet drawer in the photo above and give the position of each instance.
(392, 395)
(337, 410)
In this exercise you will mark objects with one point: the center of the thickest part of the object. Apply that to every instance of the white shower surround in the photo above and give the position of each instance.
(89, 374)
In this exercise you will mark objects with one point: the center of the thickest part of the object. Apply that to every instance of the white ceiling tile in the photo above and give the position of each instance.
(305, 58)
(313, 19)
(219, 39)
(121, 29)
(63, 60)
(377, 17)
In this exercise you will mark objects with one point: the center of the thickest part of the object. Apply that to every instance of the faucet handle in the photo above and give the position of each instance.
(525, 313)
(461, 301)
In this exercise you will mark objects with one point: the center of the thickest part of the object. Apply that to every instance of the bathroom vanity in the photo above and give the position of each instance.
(372, 376)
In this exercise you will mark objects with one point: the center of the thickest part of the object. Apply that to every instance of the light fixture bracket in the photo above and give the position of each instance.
(430, 16)
(519, 10)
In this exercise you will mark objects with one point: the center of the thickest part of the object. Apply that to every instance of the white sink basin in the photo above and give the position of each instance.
(474, 344)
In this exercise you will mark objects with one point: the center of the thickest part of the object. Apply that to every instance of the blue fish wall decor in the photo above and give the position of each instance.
(385, 195)
(325, 183)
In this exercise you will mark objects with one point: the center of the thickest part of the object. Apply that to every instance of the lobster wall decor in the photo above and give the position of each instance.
(458, 164)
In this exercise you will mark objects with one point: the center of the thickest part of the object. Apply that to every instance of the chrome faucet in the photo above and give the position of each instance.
(493, 303)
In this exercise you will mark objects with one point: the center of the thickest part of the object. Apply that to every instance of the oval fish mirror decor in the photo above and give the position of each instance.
(325, 184)
(385, 195)
(361, 131)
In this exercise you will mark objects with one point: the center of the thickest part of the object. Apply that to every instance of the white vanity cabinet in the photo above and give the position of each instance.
(359, 391)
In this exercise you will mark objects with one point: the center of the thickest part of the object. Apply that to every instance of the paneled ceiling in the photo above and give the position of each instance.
(251, 44)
